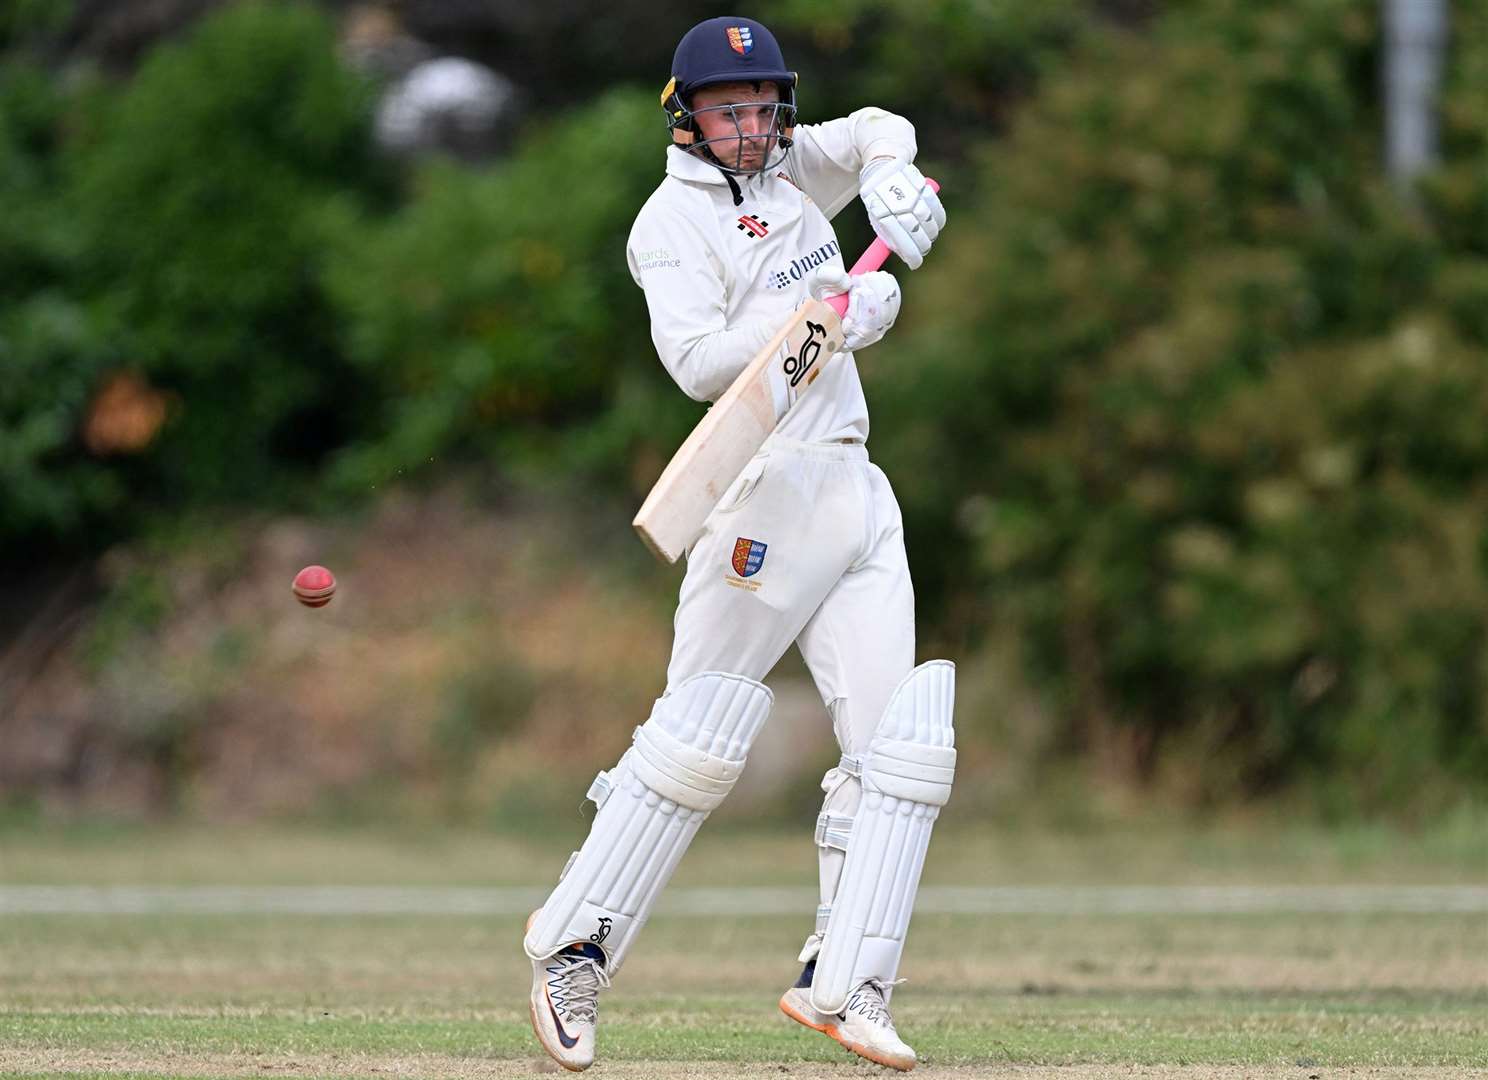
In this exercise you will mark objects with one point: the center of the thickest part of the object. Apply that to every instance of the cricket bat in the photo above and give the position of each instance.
(734, 429)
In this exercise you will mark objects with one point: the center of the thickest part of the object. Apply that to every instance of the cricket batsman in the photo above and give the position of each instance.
(806, 546)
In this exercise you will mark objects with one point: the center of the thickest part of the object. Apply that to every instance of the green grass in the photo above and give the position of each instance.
(1111, 1028)
(262, 995)
(1141, 852)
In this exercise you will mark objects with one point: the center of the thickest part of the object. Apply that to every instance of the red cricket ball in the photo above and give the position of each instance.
(314, 586)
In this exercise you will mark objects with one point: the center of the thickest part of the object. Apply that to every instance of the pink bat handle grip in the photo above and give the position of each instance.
(877, 254)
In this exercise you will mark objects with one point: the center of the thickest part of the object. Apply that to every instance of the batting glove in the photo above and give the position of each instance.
(872, 303)
(904, 210)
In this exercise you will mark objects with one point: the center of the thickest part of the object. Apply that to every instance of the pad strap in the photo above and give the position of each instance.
(823, 916)
(833, 830)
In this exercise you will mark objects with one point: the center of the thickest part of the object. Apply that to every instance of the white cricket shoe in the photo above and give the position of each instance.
(565, 1002)
(864, 1025)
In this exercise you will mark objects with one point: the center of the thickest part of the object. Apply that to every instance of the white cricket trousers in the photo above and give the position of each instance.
(807, 545)
(833, 578)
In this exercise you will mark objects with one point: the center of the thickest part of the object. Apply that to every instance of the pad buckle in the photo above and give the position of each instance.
(600, 790)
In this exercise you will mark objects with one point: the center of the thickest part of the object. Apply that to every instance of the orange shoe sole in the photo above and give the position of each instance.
(832, 1031)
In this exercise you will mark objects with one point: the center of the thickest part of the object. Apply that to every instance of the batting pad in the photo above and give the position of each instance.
(906, 779)
(681, 764)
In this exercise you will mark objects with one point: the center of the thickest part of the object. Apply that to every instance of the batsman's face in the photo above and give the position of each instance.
(739, 122)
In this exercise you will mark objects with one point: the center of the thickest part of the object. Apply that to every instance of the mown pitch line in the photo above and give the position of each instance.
(699, 902)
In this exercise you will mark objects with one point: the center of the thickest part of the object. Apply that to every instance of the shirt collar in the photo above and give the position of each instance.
(685, 166)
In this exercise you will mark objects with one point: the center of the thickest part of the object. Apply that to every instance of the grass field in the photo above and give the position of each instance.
(1360, 991)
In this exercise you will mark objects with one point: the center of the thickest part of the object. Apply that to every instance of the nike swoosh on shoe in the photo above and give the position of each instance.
(568, 1041)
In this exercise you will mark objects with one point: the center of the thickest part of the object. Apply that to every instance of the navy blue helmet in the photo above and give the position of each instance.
(726, 50)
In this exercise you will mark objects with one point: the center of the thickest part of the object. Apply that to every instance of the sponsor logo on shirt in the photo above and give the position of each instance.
(657, 259)
(799, 268)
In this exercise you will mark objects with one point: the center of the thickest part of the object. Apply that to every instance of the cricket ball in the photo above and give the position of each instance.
(314, 586)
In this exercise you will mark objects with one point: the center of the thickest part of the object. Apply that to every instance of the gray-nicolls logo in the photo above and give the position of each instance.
(603, 932)
(752, 226)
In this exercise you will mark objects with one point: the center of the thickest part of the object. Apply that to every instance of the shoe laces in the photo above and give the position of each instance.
(868, 1002)
(575, 985)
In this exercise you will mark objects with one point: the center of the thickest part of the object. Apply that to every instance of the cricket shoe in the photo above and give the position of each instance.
(864, 1025)
(565, 1002)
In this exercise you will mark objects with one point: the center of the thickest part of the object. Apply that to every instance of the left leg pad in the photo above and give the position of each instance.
(906, 777)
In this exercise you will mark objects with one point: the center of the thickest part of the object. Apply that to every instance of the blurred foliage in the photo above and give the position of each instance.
(1457, 191)
(171, 232)
(1210, 440)
(204, 190)
(954, 66)
(1189, 402)
(50, 353)
(491, 319)
(25, 21)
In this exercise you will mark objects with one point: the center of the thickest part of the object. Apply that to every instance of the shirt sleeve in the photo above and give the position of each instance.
(674, 264)
(826, 158)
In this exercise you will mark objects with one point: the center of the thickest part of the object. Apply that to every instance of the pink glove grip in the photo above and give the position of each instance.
(877, 254)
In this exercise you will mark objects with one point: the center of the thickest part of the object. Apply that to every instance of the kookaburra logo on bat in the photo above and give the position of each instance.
(796, 367)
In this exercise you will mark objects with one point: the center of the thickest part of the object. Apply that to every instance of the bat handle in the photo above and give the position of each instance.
(877, 254)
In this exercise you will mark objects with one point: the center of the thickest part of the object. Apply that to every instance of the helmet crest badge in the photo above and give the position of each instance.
(740, 39)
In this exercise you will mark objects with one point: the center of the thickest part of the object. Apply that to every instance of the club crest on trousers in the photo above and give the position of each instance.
(749, 556)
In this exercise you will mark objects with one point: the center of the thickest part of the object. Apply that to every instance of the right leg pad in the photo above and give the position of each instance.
(682, 762)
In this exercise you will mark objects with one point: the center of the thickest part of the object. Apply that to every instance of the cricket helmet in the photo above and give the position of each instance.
(725, 50)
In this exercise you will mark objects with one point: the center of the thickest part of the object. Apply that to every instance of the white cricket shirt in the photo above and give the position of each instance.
(720, 278)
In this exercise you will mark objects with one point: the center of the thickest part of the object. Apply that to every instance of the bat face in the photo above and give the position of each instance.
(813, 337)
(802, 365)
(734, 429)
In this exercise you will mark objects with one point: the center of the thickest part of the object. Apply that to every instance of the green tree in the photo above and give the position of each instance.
(1191, 419)
(495, 315)
(50, 352)
(204, 190)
